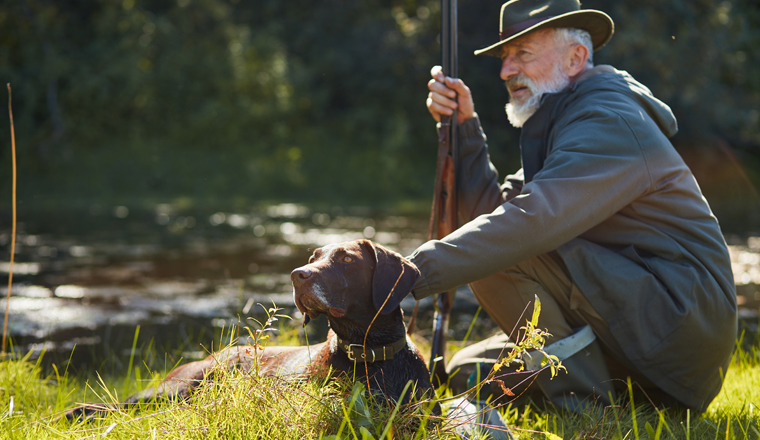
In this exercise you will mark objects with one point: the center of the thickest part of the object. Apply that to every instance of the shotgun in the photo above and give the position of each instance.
(443, 216)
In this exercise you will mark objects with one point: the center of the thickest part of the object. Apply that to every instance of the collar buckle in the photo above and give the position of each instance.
(362, 353)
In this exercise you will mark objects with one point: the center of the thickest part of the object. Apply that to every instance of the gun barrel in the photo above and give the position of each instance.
(445, 202)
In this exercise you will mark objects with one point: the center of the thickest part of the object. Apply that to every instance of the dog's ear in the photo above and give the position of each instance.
(391, 269)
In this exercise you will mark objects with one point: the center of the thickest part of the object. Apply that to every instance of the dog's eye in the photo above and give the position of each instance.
(311, 259)
(348, 259)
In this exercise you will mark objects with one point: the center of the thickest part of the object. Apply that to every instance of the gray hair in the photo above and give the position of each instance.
(565, 36)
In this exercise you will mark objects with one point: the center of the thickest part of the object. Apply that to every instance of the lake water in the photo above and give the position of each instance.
(84, 280)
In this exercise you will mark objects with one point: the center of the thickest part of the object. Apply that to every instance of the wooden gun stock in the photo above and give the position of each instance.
(443, 218)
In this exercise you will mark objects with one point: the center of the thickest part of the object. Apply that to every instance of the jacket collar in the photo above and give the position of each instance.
(534, 136)
(596, 70)
(535, 132)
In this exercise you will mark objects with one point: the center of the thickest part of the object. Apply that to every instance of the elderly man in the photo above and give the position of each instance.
(604, 223)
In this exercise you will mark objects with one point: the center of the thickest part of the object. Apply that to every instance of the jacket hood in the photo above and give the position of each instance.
(607, 78)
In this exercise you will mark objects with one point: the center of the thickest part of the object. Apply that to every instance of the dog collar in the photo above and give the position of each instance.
(357, 352)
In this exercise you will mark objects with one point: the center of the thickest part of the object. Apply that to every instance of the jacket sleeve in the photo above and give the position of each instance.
(479, 191)
(594, 168)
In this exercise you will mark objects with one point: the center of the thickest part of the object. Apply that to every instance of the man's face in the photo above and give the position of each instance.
(532, 65)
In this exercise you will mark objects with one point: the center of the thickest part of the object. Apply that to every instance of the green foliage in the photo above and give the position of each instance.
(531, 338)
(269, 99)
(25, 390)
(236, 404)
(697, 56)
(312, 101)
(242, 405)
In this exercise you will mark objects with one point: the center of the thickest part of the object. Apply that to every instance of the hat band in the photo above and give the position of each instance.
(519, 27)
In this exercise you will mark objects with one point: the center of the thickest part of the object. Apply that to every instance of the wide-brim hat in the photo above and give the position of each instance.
(520, 17)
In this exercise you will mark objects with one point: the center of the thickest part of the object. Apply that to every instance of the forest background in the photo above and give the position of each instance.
(233, 103)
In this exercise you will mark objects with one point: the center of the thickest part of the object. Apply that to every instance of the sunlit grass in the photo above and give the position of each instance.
(236, 405)
(732, 415)
(240, 405)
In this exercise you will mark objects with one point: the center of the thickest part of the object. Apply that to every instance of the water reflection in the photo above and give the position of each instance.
(182, 274)
(162, 269)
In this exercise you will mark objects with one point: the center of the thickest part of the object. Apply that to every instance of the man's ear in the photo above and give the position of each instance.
(393, 280)
(575, 60)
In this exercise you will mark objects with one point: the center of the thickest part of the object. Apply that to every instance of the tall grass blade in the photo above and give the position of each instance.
(395, 410)
(425, 418)
(688, 420)
(13, 228)
(728, 425)
(615, 410)
(633, 410)
(659, 427)
(132, 357)
(469, 330)
(346, 417)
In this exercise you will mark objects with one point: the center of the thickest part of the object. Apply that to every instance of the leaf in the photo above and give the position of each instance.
(360, 414)
(551, 436)
(649, 429)
(504, 388)
(366, 435)
(536, 311)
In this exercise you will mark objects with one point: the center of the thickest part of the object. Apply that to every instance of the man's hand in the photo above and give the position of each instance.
(447, 94)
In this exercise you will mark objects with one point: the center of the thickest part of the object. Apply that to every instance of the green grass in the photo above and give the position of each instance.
(241, 405)
(236, 405)
(732, 415)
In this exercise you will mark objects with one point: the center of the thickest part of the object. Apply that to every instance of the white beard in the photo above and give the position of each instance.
(519, 112)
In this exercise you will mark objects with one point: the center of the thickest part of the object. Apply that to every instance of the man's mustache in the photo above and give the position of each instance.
(517, 82)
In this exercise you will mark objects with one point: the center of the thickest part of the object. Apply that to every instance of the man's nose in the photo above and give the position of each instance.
(508, 68)
(300, 275)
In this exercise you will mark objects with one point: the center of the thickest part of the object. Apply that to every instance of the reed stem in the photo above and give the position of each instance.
(13, 230)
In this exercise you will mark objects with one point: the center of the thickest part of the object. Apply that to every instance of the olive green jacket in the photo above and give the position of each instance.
(602, 184)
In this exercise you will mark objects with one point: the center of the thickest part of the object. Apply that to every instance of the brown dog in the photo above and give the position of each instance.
(358, 285)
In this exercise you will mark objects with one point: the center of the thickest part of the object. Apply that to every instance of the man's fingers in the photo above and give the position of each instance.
(436, 110)
(464, 98)
(442, 100)
(437, 73)
(431, 108)
(441, 88)
(438, 107)
(457, 85)
(439, 83)
(447, 94)
(429, 103)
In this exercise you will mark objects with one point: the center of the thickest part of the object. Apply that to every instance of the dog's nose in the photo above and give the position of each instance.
(300, 275)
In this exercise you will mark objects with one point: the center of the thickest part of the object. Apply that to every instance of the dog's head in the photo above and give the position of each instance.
(353, 280)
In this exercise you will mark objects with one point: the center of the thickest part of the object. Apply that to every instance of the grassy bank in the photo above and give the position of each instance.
(242, 405)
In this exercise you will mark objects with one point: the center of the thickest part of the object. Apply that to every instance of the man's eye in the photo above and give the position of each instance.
(348, 259)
